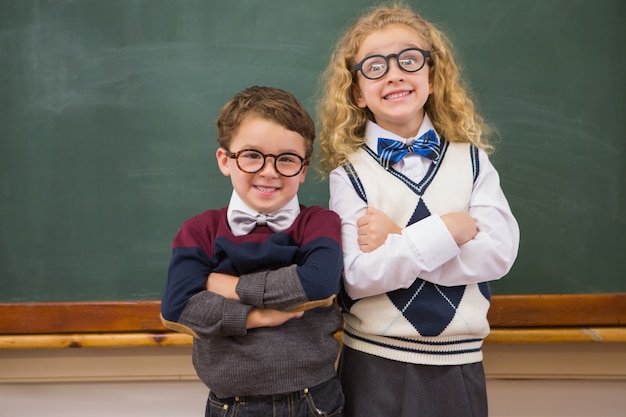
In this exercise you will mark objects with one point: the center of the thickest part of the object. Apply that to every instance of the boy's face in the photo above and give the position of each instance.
(266, 190)
(397, 99)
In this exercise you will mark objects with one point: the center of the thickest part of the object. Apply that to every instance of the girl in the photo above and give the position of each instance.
(425, 223)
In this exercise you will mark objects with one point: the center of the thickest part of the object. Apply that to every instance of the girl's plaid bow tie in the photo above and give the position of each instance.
(391, 151)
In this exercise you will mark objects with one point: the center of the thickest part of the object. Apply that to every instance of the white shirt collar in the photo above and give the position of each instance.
(373, 132)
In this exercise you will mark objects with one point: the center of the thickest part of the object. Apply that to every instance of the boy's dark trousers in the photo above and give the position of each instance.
(322, 400)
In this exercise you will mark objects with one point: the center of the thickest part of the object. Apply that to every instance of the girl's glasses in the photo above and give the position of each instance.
(376, 66)
(251, 161)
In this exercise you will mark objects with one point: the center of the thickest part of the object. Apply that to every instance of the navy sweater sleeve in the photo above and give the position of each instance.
(186, 305)
(189, 268)
(321, 262)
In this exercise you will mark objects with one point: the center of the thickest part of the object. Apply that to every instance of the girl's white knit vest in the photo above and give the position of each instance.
(374, 324)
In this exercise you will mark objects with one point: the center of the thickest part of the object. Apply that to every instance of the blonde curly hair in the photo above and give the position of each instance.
(342, 122)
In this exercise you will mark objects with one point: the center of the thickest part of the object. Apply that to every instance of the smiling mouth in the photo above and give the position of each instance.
(266, 189)
(394, 96)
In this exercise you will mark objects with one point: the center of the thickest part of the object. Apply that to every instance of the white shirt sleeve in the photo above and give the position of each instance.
(426, 249)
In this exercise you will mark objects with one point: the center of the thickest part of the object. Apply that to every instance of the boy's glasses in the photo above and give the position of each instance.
(376, 66)
(251, 161)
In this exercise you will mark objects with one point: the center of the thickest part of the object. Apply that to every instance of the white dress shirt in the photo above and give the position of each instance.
(425, 249)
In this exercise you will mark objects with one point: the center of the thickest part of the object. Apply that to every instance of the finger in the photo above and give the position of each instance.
(365, 248)
(362, 221)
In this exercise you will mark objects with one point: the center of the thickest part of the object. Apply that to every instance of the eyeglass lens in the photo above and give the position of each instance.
(376, 66)
(286, 164)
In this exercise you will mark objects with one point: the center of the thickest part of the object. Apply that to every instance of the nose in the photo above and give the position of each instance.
(394, 72)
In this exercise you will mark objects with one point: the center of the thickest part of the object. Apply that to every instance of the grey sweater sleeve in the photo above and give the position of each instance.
(279, 289)
(209, 314)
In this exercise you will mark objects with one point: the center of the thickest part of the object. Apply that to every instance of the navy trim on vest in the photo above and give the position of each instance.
(475, 163)
(418, 188)
(356, 182)
(414, 350)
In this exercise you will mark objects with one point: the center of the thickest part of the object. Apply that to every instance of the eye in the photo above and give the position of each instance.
(375, 64)
(411, 59)
(376, 67)
(252, 155)
(287, 158)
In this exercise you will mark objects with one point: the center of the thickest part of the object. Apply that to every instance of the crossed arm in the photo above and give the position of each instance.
(456, 248)
(226, 286)
(279, 295)
(375, 226)
(373, 229)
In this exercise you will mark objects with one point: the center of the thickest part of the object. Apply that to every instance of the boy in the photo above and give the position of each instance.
(254, 282)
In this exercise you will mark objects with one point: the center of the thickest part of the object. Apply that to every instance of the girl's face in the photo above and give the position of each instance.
(397, 99)
(266, 190)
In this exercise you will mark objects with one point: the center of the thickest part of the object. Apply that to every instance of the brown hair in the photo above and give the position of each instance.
(342, 122)
(268, 103)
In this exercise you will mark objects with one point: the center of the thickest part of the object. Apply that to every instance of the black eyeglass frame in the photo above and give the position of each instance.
(235, 155)
(359, 67)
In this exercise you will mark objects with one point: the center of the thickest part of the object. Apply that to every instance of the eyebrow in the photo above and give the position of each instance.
(406, 46)
(256, 148)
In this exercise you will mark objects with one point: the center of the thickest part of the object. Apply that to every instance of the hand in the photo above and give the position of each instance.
(223, 284)
(264, 317)
(461, 225)
(374, 227)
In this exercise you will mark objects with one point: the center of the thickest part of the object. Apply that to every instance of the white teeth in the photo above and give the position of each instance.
(265, 189)
(397, 95)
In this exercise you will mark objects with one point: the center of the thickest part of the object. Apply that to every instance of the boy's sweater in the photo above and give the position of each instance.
(277, 271)
(426, 323)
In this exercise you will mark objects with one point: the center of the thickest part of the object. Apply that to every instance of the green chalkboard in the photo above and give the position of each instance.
(107, 140)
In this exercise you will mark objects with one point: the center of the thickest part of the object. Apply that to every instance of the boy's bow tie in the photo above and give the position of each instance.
(391, 151)
(242, 223)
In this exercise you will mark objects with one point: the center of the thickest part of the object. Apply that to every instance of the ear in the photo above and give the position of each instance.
(302, 173)
(222, 161)
(358, 97)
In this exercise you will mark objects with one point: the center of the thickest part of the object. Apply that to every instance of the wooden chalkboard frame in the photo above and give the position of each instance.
(539, 111)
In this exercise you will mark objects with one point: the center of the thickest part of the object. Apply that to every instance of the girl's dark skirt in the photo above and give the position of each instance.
(378, 387)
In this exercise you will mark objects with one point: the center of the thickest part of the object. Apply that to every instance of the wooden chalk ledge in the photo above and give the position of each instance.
(110, 340)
